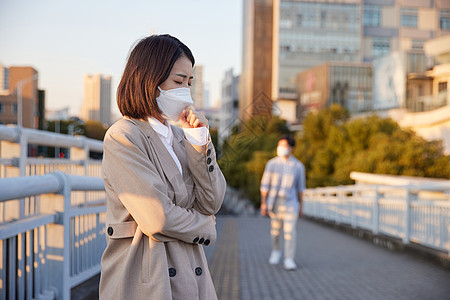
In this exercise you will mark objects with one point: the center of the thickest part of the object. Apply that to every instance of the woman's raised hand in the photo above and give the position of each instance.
(192, 119)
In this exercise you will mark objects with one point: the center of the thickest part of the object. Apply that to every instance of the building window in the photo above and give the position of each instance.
(372, 15)
(380, 46)
(2, 107)
(14, 108)
(299, 20)
(420, 90)
(5, 84)
(409, 17)
(442, 87)
(444, 20)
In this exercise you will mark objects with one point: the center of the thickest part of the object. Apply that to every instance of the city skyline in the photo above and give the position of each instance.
(64, 43)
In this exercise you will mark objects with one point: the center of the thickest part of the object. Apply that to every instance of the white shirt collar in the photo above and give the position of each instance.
(160, 128)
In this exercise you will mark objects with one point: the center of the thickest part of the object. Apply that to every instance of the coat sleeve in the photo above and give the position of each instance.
(210, 184)
(133, 178)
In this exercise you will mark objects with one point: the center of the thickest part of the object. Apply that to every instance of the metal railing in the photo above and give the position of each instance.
(14, 147)
(412, 213)
(426, 103)
(59, 243)
(51, 220)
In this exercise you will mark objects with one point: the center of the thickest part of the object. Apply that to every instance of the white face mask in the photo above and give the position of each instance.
(172, 102)
(283, 151)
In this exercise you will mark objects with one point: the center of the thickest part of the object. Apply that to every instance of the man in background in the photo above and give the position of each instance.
(282, 186)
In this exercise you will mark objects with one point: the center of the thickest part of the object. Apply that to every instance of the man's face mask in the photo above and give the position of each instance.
(172, 102)
(283, 151)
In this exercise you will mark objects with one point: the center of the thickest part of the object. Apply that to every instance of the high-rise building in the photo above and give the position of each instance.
(229, 110)
(97, 99)
(197, 87)
(258, 55)
(282, 38)
(22, 83)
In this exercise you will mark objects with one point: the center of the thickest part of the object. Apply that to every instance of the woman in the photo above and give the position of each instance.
(163, 184)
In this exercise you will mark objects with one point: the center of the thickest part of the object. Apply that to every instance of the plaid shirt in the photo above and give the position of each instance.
(285, 179)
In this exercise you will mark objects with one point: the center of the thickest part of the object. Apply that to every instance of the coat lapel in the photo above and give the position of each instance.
(166, 161)
(178, 148)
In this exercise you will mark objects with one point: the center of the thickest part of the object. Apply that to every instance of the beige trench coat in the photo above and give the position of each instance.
(157, 218)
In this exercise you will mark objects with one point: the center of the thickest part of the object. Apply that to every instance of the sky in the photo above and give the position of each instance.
(64, 40)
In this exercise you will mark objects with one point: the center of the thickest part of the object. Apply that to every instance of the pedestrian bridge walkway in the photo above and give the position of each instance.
(52, 233)
(332, 265)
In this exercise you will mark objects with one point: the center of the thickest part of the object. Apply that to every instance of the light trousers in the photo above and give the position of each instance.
(284, 218)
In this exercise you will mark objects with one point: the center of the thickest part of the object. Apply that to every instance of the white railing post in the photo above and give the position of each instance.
(352, 200)
(376, 211)
(86, 158)
(23, 153)
(23, 140)
(407, 216)
(65, 221)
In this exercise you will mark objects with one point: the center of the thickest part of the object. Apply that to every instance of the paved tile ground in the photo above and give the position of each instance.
(334, 265)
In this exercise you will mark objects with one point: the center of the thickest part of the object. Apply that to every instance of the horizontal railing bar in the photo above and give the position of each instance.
(393, 180)
(85, 183)
(6, 161)
(92, 203)
(83, 276)
(94, 145)
(11, 229)
(87, 210)
(20, 187)
(26, 186)
(94, 161)
(382, 189)
(9, 133)
(46, 138)
(53, 161)
(47, 295)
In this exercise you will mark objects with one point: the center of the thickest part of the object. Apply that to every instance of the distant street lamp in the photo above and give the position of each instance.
(20, 84)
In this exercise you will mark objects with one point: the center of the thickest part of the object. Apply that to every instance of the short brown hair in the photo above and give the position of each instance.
(149, 64)
(289, 139)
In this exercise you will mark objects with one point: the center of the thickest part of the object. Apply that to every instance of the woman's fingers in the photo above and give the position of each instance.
(192, 119)
(196, 123)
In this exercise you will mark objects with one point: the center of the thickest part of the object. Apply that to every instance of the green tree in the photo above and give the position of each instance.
(332, 146)
(94, 130)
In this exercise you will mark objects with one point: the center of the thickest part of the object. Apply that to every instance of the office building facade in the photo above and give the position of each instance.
(229, 109)
(300, 34)
(348, 84)
(21, 83)
(97, 99)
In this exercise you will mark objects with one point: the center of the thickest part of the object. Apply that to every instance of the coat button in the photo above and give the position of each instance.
(172, 272)
(208, 152)
(110, 231)
(201, 241)
(198, 271)
(208, 161)
(211, 168)
(206, 242)
(196, 240)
